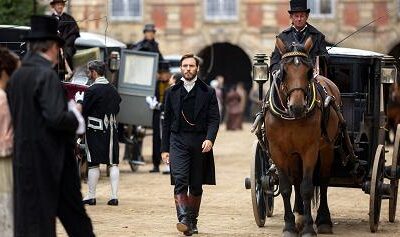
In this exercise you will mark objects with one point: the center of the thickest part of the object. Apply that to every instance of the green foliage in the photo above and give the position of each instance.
(18, 12)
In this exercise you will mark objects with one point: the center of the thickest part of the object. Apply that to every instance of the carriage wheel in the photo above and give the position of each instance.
(258, 169)
(394, 182)
(375, 195)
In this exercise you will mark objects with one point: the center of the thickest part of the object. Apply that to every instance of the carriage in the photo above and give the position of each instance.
(364, 78)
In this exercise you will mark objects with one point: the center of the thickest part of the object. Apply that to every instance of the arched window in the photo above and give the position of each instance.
(126, 10)
(225, 10)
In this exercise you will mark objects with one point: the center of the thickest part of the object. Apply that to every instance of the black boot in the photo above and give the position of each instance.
(181, 203)
(194, 203)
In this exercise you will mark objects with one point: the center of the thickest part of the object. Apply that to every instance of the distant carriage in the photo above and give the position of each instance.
(363, 78)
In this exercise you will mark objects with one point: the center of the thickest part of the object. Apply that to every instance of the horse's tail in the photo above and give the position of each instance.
(315, 198)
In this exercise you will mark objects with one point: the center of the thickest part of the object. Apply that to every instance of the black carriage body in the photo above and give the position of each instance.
(357, 73)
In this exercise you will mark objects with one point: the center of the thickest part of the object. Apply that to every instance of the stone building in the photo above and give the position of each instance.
(232, 31)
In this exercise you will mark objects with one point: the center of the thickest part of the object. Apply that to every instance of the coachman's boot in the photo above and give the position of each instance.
(194, 204)
(182, 211)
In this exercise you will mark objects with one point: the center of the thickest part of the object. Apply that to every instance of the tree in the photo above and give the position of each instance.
(18, 12)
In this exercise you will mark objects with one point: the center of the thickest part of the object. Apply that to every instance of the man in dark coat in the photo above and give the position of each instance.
(299, 32)
(100, 107)
(190, 127)
(148, 44)
(162, 84)
(46, 175)
(68, 30)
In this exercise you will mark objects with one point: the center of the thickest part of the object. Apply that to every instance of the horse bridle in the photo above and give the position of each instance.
(294, 54)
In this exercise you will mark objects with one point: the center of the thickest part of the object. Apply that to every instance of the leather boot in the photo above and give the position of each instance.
(181, 203)
(194, 203)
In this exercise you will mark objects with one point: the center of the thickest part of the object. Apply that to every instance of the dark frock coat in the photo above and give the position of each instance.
(288, 37)
(43, 164)
(206, 118)
(101, 100)
(69, 31)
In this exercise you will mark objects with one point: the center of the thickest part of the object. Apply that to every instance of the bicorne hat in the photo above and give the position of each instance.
(149, 27)
(298, 6)
(44, 28)
(57, 1)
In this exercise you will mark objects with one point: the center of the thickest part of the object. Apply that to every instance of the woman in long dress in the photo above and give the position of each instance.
(8, 63)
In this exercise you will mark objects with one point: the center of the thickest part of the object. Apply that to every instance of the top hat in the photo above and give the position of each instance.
(163, 66)
(149, 27)
(298, 6)
(57, 1)
(44, 28)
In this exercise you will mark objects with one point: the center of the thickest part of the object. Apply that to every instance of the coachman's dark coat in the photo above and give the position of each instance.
(206, 118)
(102, 101)
(45, 172)
(288, 36)
(69, 31)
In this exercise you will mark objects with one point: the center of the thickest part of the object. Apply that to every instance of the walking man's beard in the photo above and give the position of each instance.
(189, 76)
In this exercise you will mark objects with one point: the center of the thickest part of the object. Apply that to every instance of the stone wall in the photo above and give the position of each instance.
(181, 25)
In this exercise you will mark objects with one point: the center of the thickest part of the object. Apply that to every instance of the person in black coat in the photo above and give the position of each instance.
(100, 106)
(299, 32)
(68, 30)
(148, 44)
(190, 127)
(46, 181)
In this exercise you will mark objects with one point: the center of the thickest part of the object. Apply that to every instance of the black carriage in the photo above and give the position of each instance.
(363, 78)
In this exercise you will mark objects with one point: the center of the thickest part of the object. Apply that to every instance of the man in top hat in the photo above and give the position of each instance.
(45, 171)
(298, 32)
(148, 44)
(68, 30)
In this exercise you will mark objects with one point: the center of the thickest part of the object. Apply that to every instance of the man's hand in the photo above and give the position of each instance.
(165, 157)
(207, 145)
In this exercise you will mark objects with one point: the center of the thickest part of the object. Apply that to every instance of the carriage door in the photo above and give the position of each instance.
(137, 79)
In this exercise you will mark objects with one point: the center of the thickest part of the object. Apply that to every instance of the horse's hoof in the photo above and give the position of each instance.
(324, 229)
(299, 221)
(308, 235)
(289, 234)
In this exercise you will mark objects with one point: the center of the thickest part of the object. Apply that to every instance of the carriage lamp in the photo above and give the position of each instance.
(115, 61)
(388, 74)
(260, 72)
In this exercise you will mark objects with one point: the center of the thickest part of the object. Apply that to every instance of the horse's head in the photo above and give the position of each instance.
(296, 73)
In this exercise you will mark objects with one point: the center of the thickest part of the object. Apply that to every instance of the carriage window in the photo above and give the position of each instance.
(341, 75)
(126, 10)
(321, 8)
(225, 10)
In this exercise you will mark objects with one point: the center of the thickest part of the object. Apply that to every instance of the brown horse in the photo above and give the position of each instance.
(296, 139)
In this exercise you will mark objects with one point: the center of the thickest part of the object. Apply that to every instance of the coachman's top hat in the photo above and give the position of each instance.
(57, 1)
(298, 6)
(149, 27)
(44, 28)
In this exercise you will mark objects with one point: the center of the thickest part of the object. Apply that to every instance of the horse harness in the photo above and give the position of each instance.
(316, 96)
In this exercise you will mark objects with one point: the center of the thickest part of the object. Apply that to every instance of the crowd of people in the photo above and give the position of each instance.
(39, 178)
